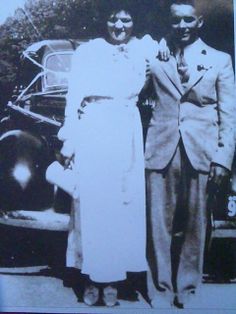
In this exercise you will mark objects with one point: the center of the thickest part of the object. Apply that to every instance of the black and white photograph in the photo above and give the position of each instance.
(117, 156)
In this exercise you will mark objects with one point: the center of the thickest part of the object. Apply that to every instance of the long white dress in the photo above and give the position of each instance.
(107, 234)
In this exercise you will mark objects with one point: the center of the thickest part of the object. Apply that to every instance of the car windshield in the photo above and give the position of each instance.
(59, 65)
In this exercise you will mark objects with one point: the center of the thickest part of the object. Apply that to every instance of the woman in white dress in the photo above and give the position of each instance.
(103, 134)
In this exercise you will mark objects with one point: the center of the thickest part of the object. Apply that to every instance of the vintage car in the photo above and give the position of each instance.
(28, 144)
(28, 136)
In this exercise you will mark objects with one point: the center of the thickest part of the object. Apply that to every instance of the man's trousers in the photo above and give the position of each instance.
(177, 220)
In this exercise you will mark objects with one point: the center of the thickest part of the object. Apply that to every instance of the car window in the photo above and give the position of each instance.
(59, 65)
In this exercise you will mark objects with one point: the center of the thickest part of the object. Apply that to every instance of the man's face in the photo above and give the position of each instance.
(185, 23)
(120, 26)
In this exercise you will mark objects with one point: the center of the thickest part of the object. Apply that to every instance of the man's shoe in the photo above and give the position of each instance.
(178, 304)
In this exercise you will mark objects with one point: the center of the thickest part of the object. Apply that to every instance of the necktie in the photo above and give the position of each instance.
(182, 67)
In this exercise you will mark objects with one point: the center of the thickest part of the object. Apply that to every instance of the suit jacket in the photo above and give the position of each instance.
(202, 114)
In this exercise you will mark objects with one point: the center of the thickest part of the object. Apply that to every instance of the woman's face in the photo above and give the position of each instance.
(120, 26)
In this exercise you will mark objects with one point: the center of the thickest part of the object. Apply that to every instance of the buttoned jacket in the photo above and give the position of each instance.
(202, 112)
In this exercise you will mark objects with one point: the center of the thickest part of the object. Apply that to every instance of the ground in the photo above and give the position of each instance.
(29, 289)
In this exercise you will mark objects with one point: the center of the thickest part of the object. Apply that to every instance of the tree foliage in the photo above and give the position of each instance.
(54, 19)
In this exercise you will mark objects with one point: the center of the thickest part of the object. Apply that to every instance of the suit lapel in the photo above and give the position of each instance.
(195, 78)
(199, 67)
(170, 70)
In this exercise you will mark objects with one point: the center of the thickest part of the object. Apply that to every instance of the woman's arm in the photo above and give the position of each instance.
(75, 95)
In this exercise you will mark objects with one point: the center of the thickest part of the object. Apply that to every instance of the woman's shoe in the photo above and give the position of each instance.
(110, 296)
(91, 295)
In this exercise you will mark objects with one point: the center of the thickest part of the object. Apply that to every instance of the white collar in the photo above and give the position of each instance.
(194, 46)
(193, 50)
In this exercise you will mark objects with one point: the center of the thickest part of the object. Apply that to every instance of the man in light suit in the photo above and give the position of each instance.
(189, 148)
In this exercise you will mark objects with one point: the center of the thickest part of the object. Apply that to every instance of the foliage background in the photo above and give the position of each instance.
(51, 19)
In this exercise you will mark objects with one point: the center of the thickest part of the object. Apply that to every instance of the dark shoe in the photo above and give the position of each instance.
(91, 295)
(178, 304)
(126, 291)
(109, 297)
(71, 277)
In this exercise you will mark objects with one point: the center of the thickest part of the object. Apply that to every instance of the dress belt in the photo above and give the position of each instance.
(118, 100)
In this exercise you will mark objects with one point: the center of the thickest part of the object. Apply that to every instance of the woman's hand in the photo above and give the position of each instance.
(66, 155)
(164, 51)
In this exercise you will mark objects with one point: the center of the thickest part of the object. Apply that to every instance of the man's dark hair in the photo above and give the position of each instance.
(197, 4)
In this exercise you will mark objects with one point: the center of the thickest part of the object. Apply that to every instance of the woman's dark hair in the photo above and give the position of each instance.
(188, 2)
(147, 15)
(105, 8)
